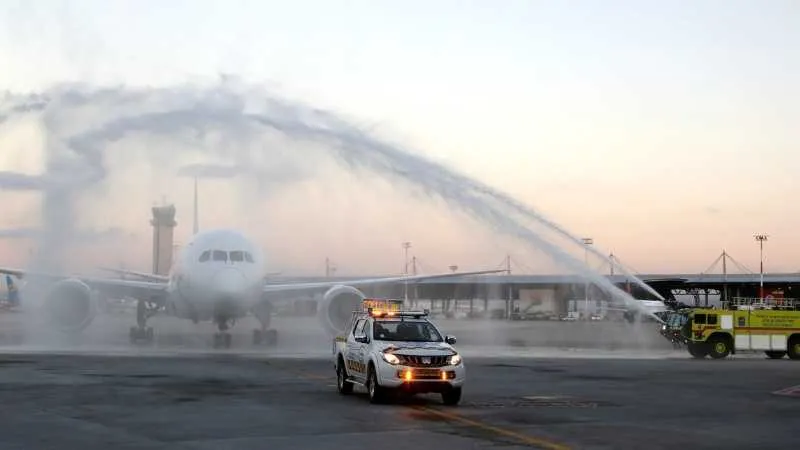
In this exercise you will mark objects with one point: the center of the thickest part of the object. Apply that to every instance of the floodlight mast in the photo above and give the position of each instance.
(586, 242)
(761, 238)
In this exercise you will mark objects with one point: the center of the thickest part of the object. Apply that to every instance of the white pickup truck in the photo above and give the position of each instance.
(397, 352)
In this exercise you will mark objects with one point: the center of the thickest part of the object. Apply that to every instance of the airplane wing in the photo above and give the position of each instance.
(149, 290)
(368, 281)
(154, 277)
(146, 276)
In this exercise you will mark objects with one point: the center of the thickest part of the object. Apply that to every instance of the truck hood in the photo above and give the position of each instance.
(419, 348)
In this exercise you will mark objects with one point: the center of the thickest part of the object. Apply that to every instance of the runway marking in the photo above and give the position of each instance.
(314, 376)
(529, 440)
(792, 391)
(525, 439)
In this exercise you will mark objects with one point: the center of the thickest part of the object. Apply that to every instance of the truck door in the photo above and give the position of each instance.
(365, 353)
(354, 356)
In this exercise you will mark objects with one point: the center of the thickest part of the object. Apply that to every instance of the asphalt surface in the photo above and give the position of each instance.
(181, 395)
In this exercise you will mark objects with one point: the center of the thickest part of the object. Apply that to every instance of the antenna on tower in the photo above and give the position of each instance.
(196, 224)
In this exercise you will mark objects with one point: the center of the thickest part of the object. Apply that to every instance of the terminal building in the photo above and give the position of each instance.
(536, 296)
(557, 296)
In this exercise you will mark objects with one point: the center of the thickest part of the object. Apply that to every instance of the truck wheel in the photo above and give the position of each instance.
(719, 347)
(451, 397)
(342, 385)
(794, 348)
(698, 351)
(774, 354)
(377, 394)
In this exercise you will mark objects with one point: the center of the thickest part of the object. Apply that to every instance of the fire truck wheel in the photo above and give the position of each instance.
(794, 347)
(698, 351)
(719, 347)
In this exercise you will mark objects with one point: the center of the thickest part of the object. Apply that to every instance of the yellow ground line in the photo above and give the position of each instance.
(530, 440)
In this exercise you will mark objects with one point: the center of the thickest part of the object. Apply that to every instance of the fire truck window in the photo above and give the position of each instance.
(711, 319)
(700, 319)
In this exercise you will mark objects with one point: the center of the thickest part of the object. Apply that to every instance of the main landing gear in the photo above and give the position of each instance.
(141, 333)
(264, 335)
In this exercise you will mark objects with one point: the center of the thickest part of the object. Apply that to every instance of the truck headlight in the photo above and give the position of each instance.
(390, 358)
(455, 360)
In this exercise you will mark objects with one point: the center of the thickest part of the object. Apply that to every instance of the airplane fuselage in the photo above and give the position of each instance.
(218, 273)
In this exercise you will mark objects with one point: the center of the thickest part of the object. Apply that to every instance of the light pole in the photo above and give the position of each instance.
(586, 242)
(330, 268)
(761, 238)
(406, 246)
(446, 302)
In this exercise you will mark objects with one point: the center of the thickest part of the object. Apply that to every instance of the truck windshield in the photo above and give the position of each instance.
(675, 320)
(406, 331)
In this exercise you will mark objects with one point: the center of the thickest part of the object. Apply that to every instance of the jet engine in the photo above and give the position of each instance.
(337, 307)
(70, 305)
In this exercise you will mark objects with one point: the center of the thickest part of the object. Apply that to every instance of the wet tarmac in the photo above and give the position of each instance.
(100, 392)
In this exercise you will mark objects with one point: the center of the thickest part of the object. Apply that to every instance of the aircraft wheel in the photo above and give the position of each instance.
(272, 337)
(141, 335)
(222, 340)
(268, 337)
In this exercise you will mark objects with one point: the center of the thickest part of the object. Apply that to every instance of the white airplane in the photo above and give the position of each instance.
(218, 276)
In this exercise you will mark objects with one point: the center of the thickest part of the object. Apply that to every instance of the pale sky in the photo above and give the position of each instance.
(666, 131)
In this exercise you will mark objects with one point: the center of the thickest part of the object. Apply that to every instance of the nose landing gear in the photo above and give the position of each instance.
(222, 339)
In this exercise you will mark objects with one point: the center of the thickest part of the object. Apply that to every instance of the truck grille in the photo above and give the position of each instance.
(423, 361)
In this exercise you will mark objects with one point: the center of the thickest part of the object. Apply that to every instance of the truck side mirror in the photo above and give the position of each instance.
(450, 339)
(362, 339)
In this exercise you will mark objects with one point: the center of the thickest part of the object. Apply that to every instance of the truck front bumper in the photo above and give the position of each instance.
(421, 379)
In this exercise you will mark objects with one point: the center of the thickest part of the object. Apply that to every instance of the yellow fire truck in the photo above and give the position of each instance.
(742, 325)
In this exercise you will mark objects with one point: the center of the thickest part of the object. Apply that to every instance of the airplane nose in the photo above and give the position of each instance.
(229, 281)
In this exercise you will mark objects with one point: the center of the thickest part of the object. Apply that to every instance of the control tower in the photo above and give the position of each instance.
(163, 223)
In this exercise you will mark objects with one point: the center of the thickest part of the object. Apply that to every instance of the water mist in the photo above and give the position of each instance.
(82, 121)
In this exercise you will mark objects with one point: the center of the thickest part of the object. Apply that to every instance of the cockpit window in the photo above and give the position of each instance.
(221, 255)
